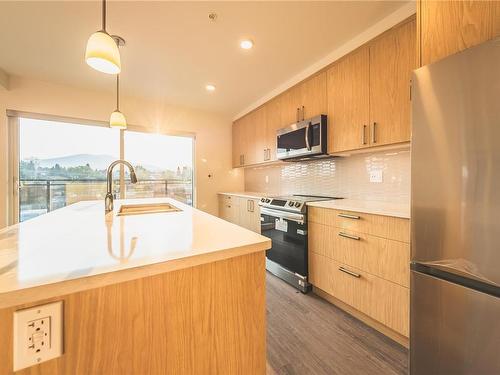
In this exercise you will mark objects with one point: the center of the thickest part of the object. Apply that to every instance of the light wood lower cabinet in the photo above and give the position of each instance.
(393, 228)
(229, 208)
(382, 257)
(241, 211)
(363, 261)
(381, 300)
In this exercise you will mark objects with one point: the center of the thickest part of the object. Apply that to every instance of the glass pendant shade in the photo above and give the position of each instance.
(117, 120)
(102, 53)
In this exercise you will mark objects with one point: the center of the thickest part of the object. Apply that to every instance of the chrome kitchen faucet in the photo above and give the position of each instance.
(108, 201)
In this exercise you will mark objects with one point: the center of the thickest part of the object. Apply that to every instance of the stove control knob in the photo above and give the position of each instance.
(268, 200)
(290, 204)
(263, 200)
(297, 204)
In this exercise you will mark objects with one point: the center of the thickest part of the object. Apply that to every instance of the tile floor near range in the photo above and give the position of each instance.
(308, 335)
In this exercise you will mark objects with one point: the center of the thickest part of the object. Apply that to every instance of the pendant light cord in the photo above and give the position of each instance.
(118, 92)
(104, 15)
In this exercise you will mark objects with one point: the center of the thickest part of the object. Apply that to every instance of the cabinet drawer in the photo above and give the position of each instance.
(230, 199)
(377, 225)
(382, 257)
(382, 300)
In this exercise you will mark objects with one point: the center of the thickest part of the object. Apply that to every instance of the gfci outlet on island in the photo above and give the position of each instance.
(37, 334)
(376, 176)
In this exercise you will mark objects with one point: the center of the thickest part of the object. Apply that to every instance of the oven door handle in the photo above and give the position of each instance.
(298, 218)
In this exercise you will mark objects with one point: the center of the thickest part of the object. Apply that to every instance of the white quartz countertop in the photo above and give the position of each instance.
(246, 194)
(401, 210)
(79, 247)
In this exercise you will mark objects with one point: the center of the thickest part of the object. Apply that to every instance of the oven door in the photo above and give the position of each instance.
(288, 232)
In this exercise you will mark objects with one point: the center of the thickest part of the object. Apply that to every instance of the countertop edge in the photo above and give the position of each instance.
(251, 194)
(353, 208)
(33, 294)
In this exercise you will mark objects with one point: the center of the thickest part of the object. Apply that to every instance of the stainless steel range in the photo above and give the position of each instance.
(284, 221)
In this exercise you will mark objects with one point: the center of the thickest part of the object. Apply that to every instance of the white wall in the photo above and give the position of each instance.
(213, 131)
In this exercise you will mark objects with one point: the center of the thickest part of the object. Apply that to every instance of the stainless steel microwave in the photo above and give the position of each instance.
(303, 140)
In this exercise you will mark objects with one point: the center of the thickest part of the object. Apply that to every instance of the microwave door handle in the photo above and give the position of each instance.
(307, 137)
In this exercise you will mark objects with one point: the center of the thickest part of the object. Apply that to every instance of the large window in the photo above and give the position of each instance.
(61, 163)
(163, 165)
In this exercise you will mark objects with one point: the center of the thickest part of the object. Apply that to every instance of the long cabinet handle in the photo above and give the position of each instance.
(374, 138)
(363, 136)
(303, 110)
(342, 234)
(306, 134)
(297, 114)
(347, 216)
(356, 275)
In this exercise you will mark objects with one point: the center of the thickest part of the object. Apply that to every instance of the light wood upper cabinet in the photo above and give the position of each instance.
(238, 142)
(305, 100)
(258, 120)
(447, 27)
(313, 96)
(392, 59)
(348, 102)
(243, 141)
(290, 106)
(369, 92)
(273, 122)
(249, 134)
(366, 96)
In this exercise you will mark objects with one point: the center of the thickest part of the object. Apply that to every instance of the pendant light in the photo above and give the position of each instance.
(102, 52)
(117, 119)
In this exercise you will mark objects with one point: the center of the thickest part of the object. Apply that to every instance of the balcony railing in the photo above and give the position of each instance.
(37, 197)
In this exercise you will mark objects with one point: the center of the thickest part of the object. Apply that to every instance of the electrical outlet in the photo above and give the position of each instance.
(376, 175)
(37, 335)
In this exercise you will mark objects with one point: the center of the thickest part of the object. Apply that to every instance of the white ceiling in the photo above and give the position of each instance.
(173, 49)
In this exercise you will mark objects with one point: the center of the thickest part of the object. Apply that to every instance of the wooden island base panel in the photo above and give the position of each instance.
(207, 319)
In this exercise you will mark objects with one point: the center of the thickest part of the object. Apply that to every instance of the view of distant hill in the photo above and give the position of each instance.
(99, 162)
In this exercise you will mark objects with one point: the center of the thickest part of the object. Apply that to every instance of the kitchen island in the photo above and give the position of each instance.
(179, 292)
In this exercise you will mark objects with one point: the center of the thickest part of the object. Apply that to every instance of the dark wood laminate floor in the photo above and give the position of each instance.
(308, 335)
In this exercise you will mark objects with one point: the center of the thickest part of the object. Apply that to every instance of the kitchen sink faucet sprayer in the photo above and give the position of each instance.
(108, 201)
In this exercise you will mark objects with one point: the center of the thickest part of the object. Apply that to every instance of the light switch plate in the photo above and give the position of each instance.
(376, 175)
(38, 334)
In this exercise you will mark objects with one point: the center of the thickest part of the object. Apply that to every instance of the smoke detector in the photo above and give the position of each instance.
(212, 16)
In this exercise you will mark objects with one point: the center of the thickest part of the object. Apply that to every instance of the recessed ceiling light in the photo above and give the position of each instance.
(246, 44)
(210, 87)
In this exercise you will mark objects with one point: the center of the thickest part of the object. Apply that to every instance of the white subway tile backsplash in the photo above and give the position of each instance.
(347, 177)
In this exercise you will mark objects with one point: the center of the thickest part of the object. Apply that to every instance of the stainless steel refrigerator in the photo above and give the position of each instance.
(455, 157)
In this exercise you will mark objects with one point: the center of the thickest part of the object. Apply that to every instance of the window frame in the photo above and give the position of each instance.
(13, 124)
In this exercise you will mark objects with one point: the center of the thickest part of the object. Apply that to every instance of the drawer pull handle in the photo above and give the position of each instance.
(349, 216)
(357, 238)
(356, 275)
